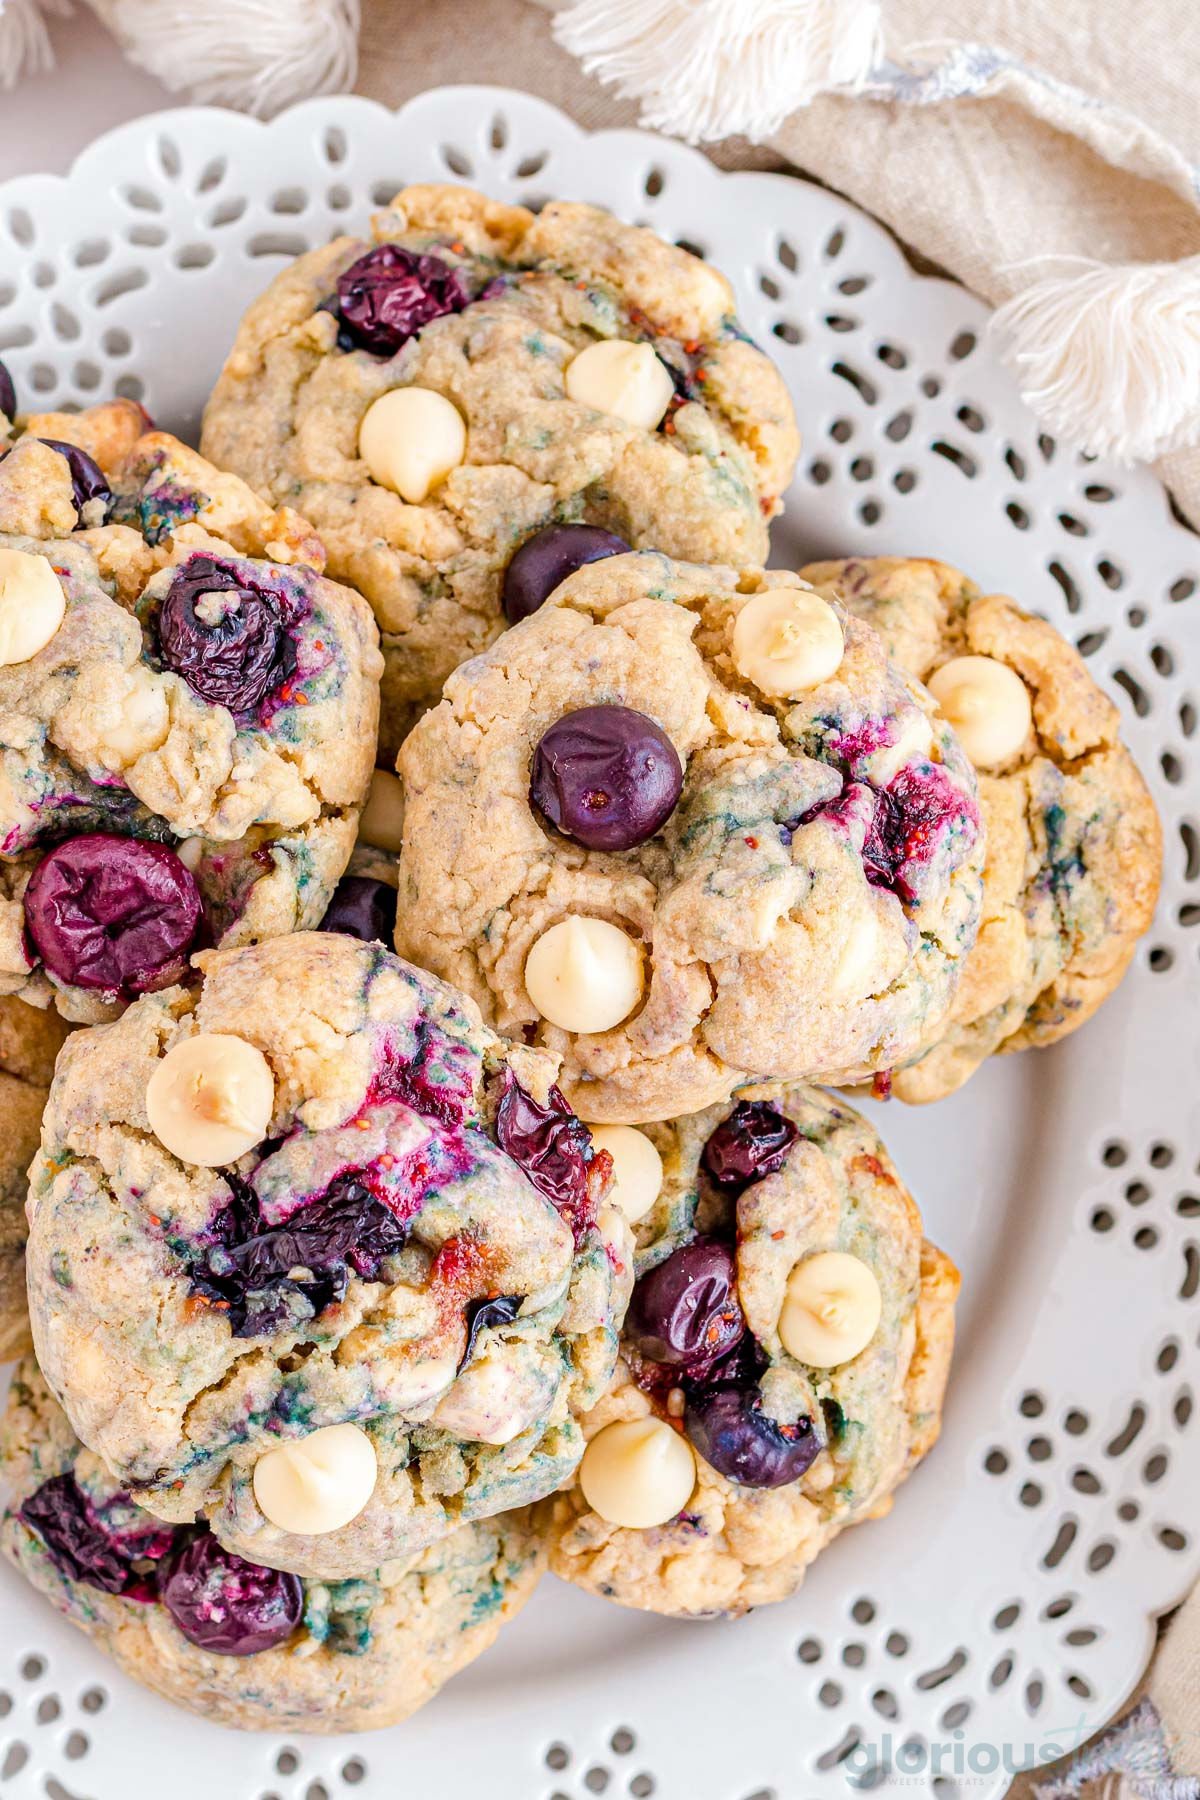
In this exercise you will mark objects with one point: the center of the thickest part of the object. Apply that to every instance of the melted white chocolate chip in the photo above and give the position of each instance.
(831, 1309)
(637, 1168)
(624, 379)
(492, 1402)
(32, 605)
(987, 706)
(319, 1483)
(381, 823)
(786, 641)
(410, 439)
(210, 1099)
(584, 974)
(638, 1473)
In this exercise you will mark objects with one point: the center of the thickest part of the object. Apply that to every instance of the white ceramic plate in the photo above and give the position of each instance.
(1007, 1606)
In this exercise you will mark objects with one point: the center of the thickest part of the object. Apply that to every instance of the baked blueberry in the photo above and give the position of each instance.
(546, 559)
(112, 913)
(225, 1605)
(607, 776)
(728, 1427)
(362, 907)
(390, 293)
(685, 1312)
(225, 633)
(8, 394)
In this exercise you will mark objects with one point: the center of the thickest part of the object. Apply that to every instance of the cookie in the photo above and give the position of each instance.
(1074, 845)
(233, 1641)
(29, 1042)
(188, 711)
(436, 395)
(316, 1195)
(691, 829)
(785, 1357)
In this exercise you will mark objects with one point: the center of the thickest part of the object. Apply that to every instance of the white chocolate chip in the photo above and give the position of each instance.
(831, 1309)
(382, 821)
(786, 641)
(987, 706)
(624, 379)
(492, 1403)
(410, 439)
(32, 605)
(637, 1473)
(584, 974)
(856, 972)
(637, 1168)
(319, 1483)
(210, 1099)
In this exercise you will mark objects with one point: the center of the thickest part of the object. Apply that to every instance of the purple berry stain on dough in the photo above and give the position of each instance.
(389, 294)
(228, 1606)
(905, 828)
(111, 913)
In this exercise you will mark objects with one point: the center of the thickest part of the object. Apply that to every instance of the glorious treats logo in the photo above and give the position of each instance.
(956, 1757)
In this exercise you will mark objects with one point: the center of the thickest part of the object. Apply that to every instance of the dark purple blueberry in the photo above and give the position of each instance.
(362, 907)
(8, 394)
(267, 1277)
(482, 1313)
(389, 294)
(225, 634)
(112, 913)
(88, 480)
(82, 1547)
(686, 1311)
(228, 1606)
(750, 1143)
(606, 776)
(545, 560)
(735, 1437)
(552, 1146)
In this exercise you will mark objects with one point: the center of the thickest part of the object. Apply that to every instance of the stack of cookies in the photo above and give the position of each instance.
(447, 883)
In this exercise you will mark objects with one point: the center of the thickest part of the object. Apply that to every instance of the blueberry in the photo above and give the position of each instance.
(88, 480)
(686, 1311)
(545, 560)
(228, 1606)
(8, 394)
(481, 1314)
(735, 1437)
(389, 294)
(752, 1142)
(606, 776)
(267, 1277)
(82, 1546)
(112, 913)
(552, 1146)
(362, 907)
(224, 632)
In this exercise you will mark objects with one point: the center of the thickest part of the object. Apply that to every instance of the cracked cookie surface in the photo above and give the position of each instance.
(498, 302)
(363, 1653)
(827, 1185)
(419, 1247)
(1074, 845)
(804, 911)
(30, 1040)
(207, 691)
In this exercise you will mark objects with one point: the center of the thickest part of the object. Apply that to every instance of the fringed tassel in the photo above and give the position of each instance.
(24, 39)
(1109, 356)
(708, 69)
(256, 55)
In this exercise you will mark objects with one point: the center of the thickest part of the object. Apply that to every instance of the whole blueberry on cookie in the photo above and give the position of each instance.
(480, 400)
(353, 1279)
(689, 828)
(8, 394)
(187, 712)
(229, 1638)
(1074, 846)
(783, 1362)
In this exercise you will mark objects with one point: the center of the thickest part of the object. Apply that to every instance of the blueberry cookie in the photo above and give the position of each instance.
(691, 829)
(317, 1257)
(473, 375)
(229, 1639)
(29, 1042)
(186, 728)
(1074, 846)
(784, 1358)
